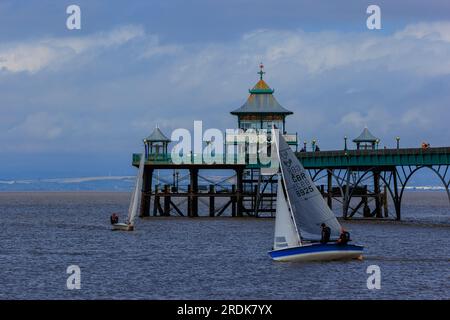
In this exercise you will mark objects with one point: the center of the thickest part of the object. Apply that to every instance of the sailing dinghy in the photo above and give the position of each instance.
(135, 201)
(300, 212)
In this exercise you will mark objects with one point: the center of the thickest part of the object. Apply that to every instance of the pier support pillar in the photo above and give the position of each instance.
(255, 201)
(189, 201)
(330, 189)
(146, 193)
(233, 200)
(366, 209)
(193, 172)
(385, 202)
(377, 191)
(166, 200)
(397, 200)
(156, 203)
(239, 191)
(212, 191)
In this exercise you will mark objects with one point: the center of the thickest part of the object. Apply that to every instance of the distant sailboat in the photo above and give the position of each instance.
(300, 212)
(135, 201)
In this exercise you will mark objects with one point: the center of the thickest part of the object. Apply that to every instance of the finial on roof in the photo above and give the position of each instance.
(261, 72)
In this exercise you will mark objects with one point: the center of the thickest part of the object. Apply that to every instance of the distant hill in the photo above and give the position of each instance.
(107, 183)
(124, 183)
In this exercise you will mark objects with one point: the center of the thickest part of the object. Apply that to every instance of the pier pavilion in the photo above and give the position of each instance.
(262, 111)
(366, 140)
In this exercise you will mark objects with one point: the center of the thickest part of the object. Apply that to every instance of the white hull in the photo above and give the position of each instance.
(122, 227)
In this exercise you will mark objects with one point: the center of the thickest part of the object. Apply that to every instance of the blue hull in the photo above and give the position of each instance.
(318, 252)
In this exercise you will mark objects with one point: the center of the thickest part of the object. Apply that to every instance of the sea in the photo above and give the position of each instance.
(45, 234)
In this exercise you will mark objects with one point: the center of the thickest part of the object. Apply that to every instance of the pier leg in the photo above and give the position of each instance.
(146, 194)
(254, 201)
(257, 193)
(212, 191)
(233, 200)
(385, 202)
(156, 201)
(376, 187)
(366, 209)
(397, 200)
(330, 189)
(167, 200)
(239, 203)
(194, 185)
(189, 201)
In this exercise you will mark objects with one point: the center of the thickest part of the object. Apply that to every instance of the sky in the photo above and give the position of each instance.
(79, 102)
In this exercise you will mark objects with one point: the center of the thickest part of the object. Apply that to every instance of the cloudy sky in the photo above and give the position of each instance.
(79, 102)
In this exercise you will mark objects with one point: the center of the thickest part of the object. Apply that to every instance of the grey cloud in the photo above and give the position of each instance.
(335, 83)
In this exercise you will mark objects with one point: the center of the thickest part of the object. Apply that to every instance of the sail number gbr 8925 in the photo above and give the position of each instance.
(301, 182)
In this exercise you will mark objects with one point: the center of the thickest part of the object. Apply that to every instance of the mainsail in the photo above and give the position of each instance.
(136, 195)
(286, 234)
(309, 209)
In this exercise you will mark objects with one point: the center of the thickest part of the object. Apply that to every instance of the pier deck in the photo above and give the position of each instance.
(367, 175)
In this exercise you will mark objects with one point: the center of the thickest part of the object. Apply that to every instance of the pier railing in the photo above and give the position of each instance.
(328, 159)
(380, 157)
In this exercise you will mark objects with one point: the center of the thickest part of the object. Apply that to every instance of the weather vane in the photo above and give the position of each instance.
(261, 72)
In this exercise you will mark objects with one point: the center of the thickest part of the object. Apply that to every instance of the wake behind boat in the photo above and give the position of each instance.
(301, 212)
(134, 203)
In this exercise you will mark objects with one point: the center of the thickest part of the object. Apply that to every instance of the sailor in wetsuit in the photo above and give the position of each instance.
(326, 232)
(114, 218)
(344, 238)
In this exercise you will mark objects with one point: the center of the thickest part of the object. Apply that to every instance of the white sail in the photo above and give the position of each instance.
(309, 209)
(136, 195)
(286, 234)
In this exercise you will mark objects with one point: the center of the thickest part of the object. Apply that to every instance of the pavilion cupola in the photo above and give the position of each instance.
(156, 144)
(261, 110)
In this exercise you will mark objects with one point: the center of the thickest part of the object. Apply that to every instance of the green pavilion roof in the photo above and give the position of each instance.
(365, 136)
(261, 100)
(157, 136)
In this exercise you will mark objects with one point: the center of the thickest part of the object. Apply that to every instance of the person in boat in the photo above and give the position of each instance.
(326, 232)
(114, 218)
(344, 238)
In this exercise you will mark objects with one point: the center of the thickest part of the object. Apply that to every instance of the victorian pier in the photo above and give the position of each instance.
(360, 179)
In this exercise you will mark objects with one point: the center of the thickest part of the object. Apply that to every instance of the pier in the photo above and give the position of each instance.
(346, 173)
(362, 180)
